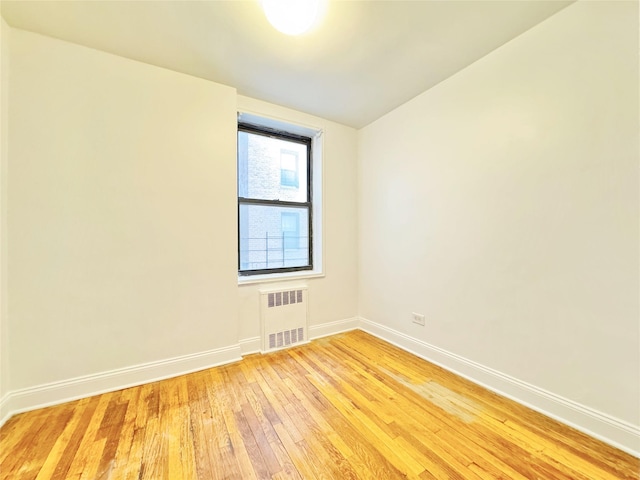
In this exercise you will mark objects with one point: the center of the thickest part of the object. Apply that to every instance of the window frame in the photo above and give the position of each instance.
(308, 204)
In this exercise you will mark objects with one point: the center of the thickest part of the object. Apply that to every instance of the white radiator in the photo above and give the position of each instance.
(283, 318)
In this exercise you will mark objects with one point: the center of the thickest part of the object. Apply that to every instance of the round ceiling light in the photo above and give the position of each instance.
(292, 17)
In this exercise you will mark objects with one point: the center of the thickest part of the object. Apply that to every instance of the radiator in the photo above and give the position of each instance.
(283, 318)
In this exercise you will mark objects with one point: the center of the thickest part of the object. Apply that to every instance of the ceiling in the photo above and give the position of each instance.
(363, 59)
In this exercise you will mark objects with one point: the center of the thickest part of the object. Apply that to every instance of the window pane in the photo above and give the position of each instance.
(290, 229)
(273, 237)
(289, 168)
(271, 168)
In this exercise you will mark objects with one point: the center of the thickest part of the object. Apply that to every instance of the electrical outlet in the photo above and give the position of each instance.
(418, 318)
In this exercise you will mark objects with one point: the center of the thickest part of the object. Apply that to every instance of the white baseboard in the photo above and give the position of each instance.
(80, 387)
(333, 328)
(5, 413)
(250, 345)
(611, 430)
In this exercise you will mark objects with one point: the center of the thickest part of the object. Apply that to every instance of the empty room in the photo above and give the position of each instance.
(319, 239)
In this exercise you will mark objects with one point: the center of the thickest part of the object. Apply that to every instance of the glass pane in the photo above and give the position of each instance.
(273, 237)
(271, 168)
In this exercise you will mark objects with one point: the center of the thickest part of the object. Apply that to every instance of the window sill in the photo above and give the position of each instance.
(278, 277)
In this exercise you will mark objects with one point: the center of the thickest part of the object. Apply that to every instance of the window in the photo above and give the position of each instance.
(289, 168)
(290, 230)
(274, 201)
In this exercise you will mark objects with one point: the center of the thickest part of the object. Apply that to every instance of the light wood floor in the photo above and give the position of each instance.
(346, 407)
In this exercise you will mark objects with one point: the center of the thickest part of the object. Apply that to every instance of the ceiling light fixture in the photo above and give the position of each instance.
(292, 17)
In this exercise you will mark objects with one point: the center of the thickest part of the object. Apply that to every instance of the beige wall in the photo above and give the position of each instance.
(332, 297)
(122, 213)
(503, 204)
(4, 155)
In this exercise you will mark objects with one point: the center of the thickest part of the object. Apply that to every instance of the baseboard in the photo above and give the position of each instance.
(80, 387)
(333, 328)
(5, 412)
(613, 431)
(249, 346)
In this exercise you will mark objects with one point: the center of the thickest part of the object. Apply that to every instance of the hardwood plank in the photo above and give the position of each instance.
(293, 450)
(38, 443)
(202, 443)
(257, 461)
(85, 455)
(154, 460)
(125, 451)
(346, 407)
(72, 432)
(243, 458)
(17, 429)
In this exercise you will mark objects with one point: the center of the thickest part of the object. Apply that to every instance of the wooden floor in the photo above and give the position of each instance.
(345, 407)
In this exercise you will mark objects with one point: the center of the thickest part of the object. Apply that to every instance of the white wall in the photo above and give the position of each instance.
(333, 297)
(122, 213)
(503, 204)
(4, 149)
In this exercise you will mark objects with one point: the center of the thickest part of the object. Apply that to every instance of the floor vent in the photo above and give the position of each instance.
(283, 318)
